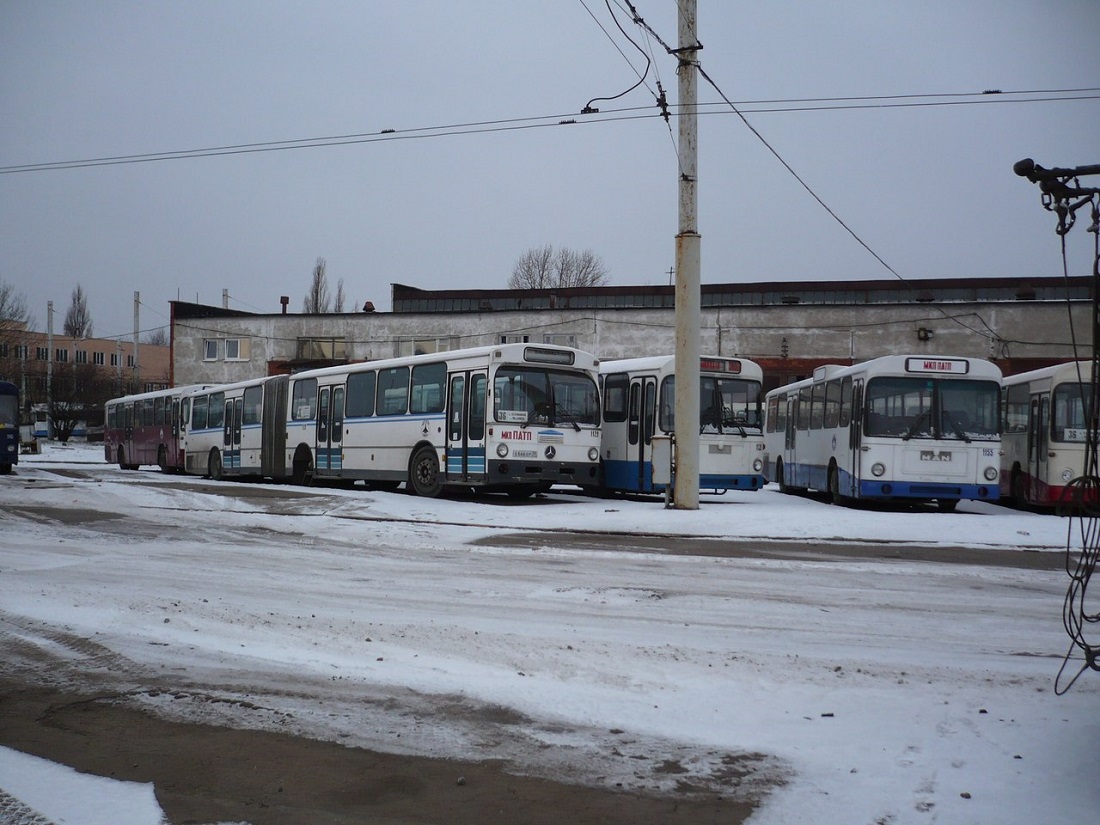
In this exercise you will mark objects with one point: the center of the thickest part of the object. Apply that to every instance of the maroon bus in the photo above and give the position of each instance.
(146, 428)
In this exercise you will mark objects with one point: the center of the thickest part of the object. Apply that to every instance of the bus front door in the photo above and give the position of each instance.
(641, 420)
(465, 450)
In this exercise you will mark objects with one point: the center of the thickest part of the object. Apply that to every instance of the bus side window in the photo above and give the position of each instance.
(476, 430)
(635, 412)
(615, 397)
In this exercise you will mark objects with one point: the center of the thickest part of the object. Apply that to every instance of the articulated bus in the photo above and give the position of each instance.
(639, 400)
(9, 426)
(900, 427)
(236, 429)
(145, 428)
(1046, 415)
(515, 418)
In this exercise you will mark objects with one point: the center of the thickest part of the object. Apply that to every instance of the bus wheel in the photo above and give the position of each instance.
(5, 469)
(1019, 494)
(302, 471)
(834, 485)
(947, 505)
(216, 466)
(162, 459)
(424, 473)
(783, 488)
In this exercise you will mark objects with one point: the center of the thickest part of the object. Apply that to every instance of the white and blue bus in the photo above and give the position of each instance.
(901, 427)
(640, 399)
(235, 429)
(515, 418)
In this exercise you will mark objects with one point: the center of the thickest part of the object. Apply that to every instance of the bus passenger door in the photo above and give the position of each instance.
(1038, 444)
(330, 428)
(465, 448)
(855, 435)
(231, 434)
(641, 420)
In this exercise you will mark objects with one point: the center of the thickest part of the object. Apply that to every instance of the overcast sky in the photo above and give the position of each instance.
(930, 188)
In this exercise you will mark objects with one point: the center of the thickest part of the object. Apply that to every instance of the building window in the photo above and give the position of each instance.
(114, 359)
(97, 359)
(21, 351)
(42, 353)
(129, 360)
(3, 350)
(82, 356)
(515, 339)
(327, 349)
(424, 346)
(210, 349)
(61, 356)
(561, 340)
(237, 349)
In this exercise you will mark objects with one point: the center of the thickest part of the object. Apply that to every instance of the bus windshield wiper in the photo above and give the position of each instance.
(950, 420)
(912, 431)
(563, 413)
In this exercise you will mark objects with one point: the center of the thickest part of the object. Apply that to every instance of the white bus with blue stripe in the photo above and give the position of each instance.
(900, 427)
(639, 402)
(515, 418)
(234, 429)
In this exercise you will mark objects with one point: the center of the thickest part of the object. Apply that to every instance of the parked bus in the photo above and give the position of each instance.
(9, 426)
(639, 401)
(901, 427)
(145, 428)
(236, 429)
(42, 424)
(1045, 421)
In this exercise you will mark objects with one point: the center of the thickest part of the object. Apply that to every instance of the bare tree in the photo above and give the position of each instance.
(338, 303)
(78, 321)
(157, 337)
(547, 268)
(317, 300)
(14, 317)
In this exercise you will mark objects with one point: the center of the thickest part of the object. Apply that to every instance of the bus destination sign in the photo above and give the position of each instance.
(949, 366)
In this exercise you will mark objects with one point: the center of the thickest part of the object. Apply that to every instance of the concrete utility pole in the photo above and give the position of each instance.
(49, 359)
(137, 328)
(686, 484)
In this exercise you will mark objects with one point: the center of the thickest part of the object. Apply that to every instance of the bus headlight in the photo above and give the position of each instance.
(757, 465)
(502, 449)
(990, 473)
(593, 454)
(1067, 474)
(878, 469)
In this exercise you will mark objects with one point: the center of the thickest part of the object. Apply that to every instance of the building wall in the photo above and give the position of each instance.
(26, 359)
(788, 341)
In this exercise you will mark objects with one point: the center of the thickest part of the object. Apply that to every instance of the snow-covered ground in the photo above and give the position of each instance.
(879, 690)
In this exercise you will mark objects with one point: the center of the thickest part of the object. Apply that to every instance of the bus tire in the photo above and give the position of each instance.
(424, 477)
(783, 488)
(5, 469)
(1019, 494)
(834, 485)
(302, 470)
(162, 459)
(215, 466)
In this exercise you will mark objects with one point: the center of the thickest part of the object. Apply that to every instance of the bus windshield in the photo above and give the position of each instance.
(725, 405)
(552, 398)
(9, 409)
(945, 409)
(1070, 420)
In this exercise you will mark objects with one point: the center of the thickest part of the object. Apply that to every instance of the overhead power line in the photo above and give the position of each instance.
(571, 118)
